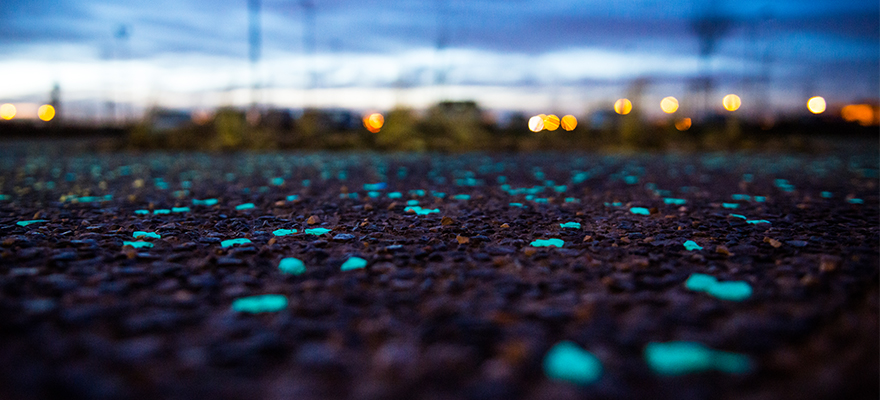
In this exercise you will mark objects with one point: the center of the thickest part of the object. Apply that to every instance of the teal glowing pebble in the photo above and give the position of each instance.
(317, 231)
(353, 263)
(547, 243)
(417, 192)
(245, 206)
(438, 195)
(395, 195)
(631, 179)
(139, 234)
(412, 203)
(179, 209)
(733, 290)
(421, 211)
(293, 197)
(233, 242)
(137, 245)
(277, 181)
(541, 200)
(741, 197)
(569, 363)
(680, 358)
(730, 290)
(855, 201)
(730, 205)
(260, 304)
(462, 197)
(375, 186)
(33, 221)
(519, 205)
(700, 282)
(760, 199)
(205, 202)
(142, 212)
(572, 200)
(560, 188)
(672, 201)
(292, 266)
(691, 245)
(306, 182)
(4, 197)
(373, 194)
(640, 211)
(571, 225)
(737, 216)
(283, 232)
(161, 211)
(826, 195)
(757, 221)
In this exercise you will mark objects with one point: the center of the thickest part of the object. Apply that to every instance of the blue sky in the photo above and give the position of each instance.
(526, 55)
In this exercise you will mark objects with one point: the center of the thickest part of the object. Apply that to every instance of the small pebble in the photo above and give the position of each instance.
(283, 232)
(353, 263)
(233, 242)
(547, 243)
(292, 266)
(691, 245)
(640, 211)
(567, 362)
(140, 234)
(245, 206)
(571, 225)
(260, 304)
(137, 245)
(317, 231)
(680, 358)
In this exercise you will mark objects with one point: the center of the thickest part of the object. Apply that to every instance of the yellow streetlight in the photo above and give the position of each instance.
(7, 111)
(816, 104)
(669, 104)
(569, 122)
(623, 106)
(731, 102)
(46, 112)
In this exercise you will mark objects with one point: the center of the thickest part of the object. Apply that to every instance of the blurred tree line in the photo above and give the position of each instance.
(451, 127)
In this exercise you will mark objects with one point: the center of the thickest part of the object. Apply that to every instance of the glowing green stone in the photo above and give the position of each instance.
(395, 195)
(292, 197)
(640, 211)
(679, 358)
(700, 282)
(730, 290)
(826, 195)
(572, 225)
(317, 231)
(730, 205)
(734, 290)
(740, 197)
(421, 211)
(233, 242)
(283, 232)
(569, 363)
(691, 245)
(677, 202)
(519, 205)
(547, 243)
(179, 209)
(856, 201)
(412, 203)
(33, 221)
(161, 211)
(353, 263)
(757, 221)
(137, 245)
(462, 197)
(738, 216)
(291, 265)
(152, 235)
(245, 206)
(141, 212)
(260, 304)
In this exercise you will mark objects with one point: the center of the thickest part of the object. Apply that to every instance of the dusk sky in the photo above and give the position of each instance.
(529, 55)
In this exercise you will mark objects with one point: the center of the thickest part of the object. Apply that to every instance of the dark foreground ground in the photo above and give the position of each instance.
(452, 305)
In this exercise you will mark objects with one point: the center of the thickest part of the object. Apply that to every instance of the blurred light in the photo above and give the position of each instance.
(669, 104)
(623, 106)
(683, 124)
(551, 122)
(536, 123)
(861, 113)
(46, 112)
(731, 102)
(816, 104)
(202, 117)
(7, 111)
(569, 122)
(373, 122)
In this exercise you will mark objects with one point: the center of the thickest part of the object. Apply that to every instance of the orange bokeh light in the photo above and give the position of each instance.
(731, 102)
(551, 122)
(623, 106)
(373, 122)
(7, 111)
(569, 122)
(683, 124)
(46, 112)
(862, 113)
(669, 104)
(536, 123)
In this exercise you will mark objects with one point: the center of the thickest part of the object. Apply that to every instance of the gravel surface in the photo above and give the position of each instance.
(461, 293)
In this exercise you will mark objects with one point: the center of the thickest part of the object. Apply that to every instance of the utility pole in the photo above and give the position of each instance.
(255, 44)
(309, 47)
